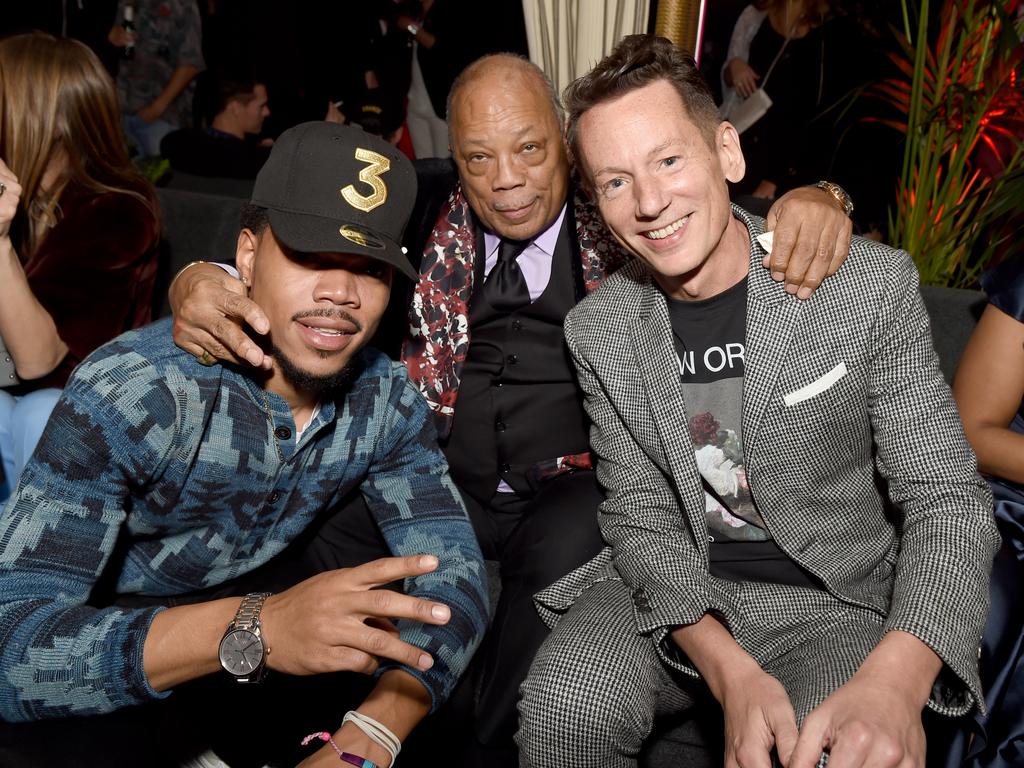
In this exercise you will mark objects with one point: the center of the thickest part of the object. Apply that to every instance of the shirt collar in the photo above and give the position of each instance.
(545, 241)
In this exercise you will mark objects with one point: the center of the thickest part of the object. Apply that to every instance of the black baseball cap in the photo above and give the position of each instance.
(332, 188)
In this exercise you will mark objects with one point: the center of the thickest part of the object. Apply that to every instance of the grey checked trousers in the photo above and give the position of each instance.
(597, 686)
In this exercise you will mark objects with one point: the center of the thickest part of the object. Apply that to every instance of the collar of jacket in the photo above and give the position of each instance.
(771, 316)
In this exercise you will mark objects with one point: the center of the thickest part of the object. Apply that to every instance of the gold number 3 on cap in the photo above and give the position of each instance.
(378, 164)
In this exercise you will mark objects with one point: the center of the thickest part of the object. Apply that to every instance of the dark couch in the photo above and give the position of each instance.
(195, 226)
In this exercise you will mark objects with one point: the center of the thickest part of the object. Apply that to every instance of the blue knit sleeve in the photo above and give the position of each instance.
(419, 511)
(59, 657)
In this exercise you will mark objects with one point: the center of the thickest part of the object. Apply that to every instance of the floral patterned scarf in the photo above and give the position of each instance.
(438, 340)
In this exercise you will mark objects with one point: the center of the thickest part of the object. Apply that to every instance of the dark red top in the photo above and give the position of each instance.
(94, 273)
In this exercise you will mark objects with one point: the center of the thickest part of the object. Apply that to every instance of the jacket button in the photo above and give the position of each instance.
(517, 325)
(512, 359)
(499, 426)
(283, 433)
(273, 497)
(504, 468)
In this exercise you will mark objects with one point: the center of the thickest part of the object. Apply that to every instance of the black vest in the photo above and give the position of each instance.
(518, 402)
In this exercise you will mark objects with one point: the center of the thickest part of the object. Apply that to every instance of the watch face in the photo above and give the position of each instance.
(241, 652)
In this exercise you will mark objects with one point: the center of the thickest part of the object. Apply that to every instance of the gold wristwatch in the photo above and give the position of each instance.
(839, 194)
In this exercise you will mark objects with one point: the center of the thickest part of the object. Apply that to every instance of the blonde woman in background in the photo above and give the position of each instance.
(78, 228)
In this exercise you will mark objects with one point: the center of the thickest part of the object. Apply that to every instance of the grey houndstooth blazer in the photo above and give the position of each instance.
(835, 387)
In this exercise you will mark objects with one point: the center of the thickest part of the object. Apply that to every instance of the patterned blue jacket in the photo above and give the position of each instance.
(180, 464)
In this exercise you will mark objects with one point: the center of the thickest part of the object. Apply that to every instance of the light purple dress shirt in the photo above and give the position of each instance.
(534, 261)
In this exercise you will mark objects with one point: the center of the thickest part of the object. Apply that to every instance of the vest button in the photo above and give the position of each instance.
(512, 359)
(504, 468)
(283, 433)
(499, 426)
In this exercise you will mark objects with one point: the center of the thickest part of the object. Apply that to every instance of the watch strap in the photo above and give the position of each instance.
(840, 194)
(248, 614)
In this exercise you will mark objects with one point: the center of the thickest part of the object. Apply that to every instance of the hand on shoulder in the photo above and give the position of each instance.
(811, 239)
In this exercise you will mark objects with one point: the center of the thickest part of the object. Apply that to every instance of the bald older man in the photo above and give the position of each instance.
(515, 247)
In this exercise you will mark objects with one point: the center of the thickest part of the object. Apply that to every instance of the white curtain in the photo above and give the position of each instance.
(568, 37)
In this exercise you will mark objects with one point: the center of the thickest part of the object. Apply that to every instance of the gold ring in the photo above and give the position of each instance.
(205, 359)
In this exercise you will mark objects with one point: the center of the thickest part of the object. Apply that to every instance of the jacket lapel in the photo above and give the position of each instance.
(771, 317)
(658, 366)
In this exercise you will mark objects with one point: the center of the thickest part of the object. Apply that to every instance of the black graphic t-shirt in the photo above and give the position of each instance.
(709, 338)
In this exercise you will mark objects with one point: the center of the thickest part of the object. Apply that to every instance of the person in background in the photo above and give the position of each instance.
(989, 390)
(989, 384)
(381, 117)
(235, 108)
(779, 44)
(154, 85)
(78, 228)
(435, 29)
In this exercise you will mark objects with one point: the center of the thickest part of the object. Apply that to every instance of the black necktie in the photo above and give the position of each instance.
(505, 287)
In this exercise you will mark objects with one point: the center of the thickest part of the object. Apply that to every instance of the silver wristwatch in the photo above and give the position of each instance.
(839, 194)
(242, 652)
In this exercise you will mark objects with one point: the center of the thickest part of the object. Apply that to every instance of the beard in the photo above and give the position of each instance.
(319, 384)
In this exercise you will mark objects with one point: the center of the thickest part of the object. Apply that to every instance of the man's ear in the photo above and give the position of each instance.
(245, 254)
(730, 155)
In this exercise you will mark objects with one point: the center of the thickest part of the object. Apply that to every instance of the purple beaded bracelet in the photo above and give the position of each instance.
(345, 757)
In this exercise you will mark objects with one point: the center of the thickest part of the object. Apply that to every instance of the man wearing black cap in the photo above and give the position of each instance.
(165, 490)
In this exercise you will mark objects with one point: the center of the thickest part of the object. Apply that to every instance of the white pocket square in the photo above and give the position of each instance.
(816, 387)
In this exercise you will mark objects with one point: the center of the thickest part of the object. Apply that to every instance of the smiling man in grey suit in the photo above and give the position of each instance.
(738, 432)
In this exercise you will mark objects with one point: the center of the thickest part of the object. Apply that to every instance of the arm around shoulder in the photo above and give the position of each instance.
(212, 313)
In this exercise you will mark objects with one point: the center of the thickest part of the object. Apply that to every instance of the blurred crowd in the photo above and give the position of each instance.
(222, 69)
